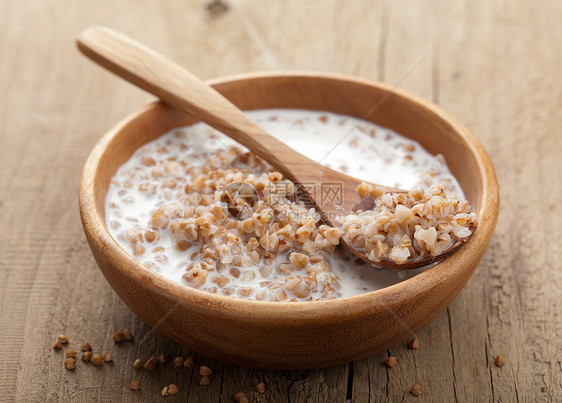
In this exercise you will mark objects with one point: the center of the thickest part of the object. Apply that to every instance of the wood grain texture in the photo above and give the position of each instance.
(495, 65)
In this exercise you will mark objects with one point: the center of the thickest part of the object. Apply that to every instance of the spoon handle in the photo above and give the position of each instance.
(180, 89)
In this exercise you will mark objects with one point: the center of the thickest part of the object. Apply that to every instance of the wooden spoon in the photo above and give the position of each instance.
(333, 193)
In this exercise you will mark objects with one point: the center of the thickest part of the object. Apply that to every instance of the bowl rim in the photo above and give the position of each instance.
(388, 298)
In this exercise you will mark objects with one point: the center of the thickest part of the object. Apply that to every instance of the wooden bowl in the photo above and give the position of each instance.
(299, 335)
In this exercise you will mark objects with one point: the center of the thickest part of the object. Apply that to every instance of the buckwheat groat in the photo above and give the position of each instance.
(408, 226)
(235, 221)
(206, 213)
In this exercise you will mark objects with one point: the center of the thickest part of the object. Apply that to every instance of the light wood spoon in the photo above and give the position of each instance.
(333, 193)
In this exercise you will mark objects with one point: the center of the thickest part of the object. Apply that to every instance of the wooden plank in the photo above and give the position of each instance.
(468, 332)
(472, 358)
(410, 62)
(517, 317)
(488, 317)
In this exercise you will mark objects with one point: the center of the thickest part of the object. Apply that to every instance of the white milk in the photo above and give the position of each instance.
(353, 146)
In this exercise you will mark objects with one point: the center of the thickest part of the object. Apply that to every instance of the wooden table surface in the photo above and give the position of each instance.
(493, 64)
